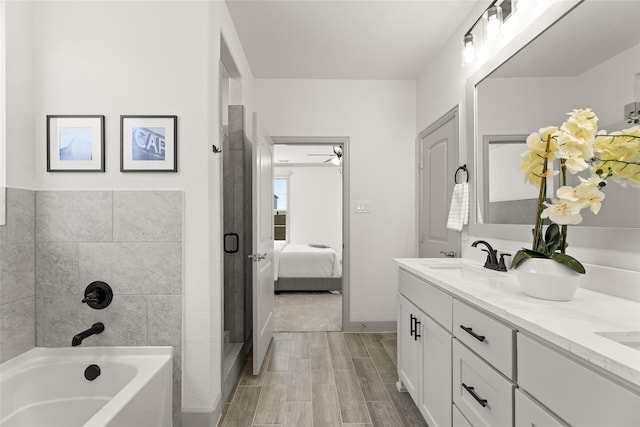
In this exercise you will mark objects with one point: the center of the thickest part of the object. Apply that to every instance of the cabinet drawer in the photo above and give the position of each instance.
(427, 298)
(458, 419)
(492, 340)
(530, 414)
(492, 405)
(577, 394)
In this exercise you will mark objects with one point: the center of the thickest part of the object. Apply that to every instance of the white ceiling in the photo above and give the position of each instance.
(342, 39)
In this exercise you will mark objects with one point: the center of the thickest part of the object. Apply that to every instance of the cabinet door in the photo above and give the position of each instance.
(409, 347)
(435, 400)
(577, 394)
(531, 414)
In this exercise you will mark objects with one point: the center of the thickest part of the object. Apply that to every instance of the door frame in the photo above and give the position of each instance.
(346, 258)
(454, 114)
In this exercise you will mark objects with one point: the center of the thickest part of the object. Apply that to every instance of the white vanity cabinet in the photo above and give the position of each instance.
(577, 394)
(472, 356)
(424, 347)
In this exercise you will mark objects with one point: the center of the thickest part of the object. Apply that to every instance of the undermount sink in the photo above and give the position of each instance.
(456, 267)
(630, 339)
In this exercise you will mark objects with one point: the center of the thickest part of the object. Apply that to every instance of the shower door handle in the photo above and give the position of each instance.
(237, 243)
(257, 257)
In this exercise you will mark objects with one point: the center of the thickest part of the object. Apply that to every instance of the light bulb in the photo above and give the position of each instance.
(336, 161)
(493, 23)
(468, 51)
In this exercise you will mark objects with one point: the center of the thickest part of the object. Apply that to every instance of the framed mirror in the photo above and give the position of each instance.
(590, 57)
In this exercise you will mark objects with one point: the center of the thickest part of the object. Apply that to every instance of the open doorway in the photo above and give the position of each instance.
(310, 256)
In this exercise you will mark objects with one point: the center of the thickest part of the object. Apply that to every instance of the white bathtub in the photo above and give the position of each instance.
(47, 387)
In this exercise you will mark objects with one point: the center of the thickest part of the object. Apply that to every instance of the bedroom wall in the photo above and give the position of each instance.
(379, 119)
(315, 205)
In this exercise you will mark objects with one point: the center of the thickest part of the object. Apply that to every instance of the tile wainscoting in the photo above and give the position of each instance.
(57, 242)
(17, 274)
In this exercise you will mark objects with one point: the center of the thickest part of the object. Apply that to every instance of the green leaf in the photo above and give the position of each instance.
(552, 238)
(552, 233)
(523, 254)
(569, 261)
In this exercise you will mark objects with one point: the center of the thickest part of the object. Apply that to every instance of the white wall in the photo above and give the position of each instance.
(315, 205)
(379, 119)
(160, 57)
(20, 148)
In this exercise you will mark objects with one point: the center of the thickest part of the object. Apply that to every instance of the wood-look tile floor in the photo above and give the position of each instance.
(323, 379)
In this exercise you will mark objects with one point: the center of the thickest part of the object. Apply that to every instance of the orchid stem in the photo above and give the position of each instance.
(537, 233)
(563, 228)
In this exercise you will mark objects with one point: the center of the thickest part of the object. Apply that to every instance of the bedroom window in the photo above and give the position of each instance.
(280, 208)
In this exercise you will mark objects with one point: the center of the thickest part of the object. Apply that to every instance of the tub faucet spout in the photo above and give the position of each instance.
(96, 328)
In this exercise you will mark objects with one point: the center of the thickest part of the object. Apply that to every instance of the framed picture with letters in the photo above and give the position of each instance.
(148, 143)
(75, 143)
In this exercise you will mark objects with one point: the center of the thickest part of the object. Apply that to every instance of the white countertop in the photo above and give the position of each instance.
(570, 325)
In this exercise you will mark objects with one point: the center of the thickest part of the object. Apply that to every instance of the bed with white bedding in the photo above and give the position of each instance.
(301, 267)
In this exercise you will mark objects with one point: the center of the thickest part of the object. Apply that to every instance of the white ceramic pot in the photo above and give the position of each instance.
(547, 279)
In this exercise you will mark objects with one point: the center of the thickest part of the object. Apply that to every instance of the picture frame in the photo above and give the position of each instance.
(148, 143)
(75, 143)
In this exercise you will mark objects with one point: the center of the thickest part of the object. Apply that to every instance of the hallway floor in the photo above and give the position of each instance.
(323, 379)
(307, 311)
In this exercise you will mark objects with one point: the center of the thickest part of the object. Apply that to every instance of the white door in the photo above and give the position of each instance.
(262, 252)
(438, 164)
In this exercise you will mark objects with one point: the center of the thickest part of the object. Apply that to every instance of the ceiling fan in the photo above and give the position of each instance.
(333, 158)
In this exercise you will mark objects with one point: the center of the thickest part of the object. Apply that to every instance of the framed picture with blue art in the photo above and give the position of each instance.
(148, 143)
(75, 143)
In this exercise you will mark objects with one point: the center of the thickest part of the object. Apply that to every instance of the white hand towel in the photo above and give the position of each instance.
(459, 209)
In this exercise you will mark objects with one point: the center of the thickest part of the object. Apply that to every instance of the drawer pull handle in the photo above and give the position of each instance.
(473, 334)
(471, 391)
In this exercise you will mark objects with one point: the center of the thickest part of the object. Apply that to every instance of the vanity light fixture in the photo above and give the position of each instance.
(492, 19)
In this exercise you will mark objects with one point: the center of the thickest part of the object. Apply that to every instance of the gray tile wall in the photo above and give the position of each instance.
(17, 275)
(131, 240)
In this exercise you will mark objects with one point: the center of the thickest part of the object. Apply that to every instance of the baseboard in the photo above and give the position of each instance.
(371, 326)
(202, 417)
(233, 375)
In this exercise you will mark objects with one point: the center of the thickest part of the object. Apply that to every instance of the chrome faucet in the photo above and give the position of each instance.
(96, 328)
(492, 256)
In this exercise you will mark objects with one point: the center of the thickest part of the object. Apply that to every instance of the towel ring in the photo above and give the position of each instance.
(461, 168)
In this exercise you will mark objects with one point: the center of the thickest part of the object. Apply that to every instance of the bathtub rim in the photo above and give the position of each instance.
(151, 361)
